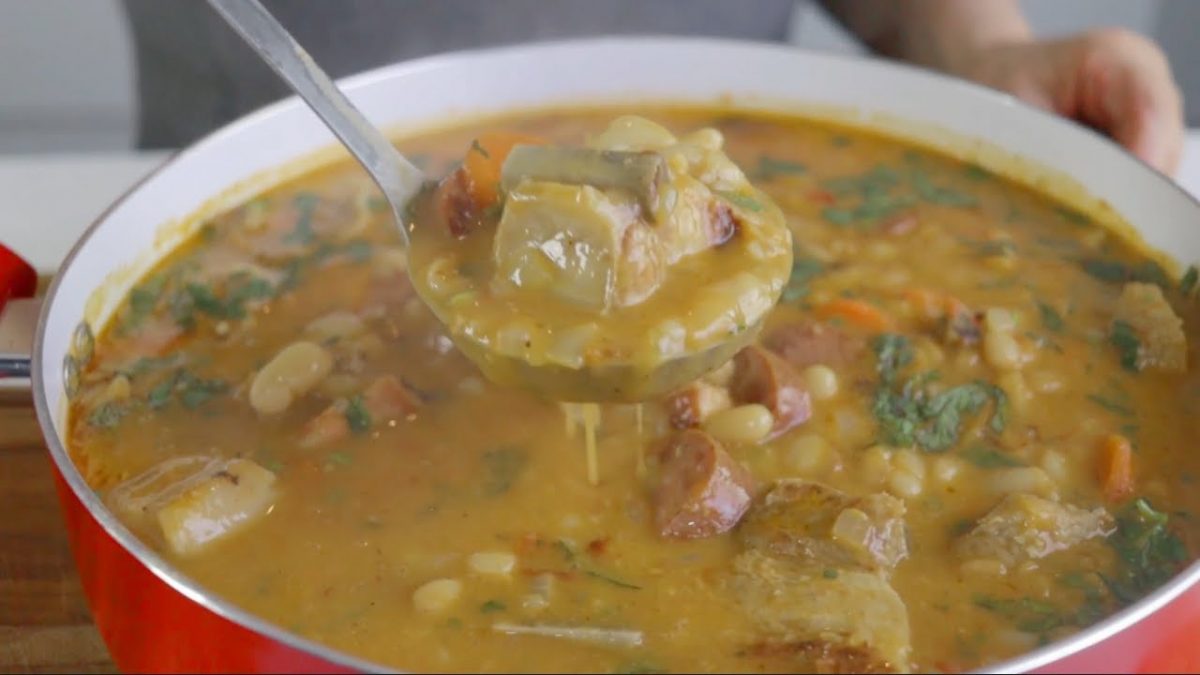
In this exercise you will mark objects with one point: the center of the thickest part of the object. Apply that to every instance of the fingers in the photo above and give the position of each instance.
(1128, 91)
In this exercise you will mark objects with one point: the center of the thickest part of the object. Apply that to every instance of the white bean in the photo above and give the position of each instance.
(492, 563)
(743, 425)
(875, 465)
(822, 382)
(1001, 350)
(334, 326)
(999, 320)
(1029, 479)
(437, 595)
(296, 369)
(807, 454)
(908, 460)
(1055, 466)
(946, 469)
(904, 484)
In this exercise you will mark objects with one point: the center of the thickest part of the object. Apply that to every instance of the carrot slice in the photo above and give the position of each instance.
(932, 304)
(856, 312)
(1115, 468)
(484, 160)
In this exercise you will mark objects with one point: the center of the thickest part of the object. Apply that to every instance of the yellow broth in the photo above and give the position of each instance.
(358, 525)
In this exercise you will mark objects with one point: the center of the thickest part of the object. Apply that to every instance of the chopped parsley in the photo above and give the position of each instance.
(302, 233)
(1150, 554)
(803, 271)
(107, 415)
(910, 414)
(475, 146)
(989, 457)
(1051, 319)
(1115, 271)
(1123, 337)
(1188, 283)
(770, 167)
(741, 201)
(928, 191)
(492, 606)
(191, 391)
(504, 466)
(357, 416)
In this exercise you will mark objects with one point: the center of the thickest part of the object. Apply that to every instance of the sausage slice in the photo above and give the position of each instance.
(759, 376)
(702, 490)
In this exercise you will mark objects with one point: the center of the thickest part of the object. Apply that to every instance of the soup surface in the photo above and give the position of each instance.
(966, 431)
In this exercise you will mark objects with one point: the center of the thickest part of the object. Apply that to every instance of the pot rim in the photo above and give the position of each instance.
(173, 577)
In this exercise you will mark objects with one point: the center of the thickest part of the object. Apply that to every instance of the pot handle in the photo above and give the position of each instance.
(18, 320)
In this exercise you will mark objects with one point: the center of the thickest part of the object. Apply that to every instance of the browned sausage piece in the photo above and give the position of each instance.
(702, 490)
(689, 406)
(759, 376)
(808, 343)
(456, 206)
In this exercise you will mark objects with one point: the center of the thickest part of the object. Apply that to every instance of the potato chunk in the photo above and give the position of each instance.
(1162, 343)
(231, 496)
(577, 243)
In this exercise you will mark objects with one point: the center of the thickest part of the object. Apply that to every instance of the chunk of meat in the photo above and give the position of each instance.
(809, 343)
(759, 376)
(828, 620)
(385, 399)
(702, 490)
(810, 521)
(219, 504)
(1024, 527)
(691, 405)
(722, 224)
(456, 204)
(1162, 343)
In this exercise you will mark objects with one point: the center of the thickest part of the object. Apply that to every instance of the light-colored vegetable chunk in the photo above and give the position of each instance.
(226, 500)
(577, 243)
(1162, 343)
(1024, 527)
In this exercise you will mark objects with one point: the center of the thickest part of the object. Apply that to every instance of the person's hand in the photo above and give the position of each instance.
(1113, 80)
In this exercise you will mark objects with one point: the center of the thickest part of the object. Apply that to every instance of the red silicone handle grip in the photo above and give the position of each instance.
(18, 279)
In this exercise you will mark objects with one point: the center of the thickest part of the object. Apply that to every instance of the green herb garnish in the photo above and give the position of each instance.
(741, 201)
(492, 606)
(1124, 338)
(934, 194)
(1051, 319)
(803, 271)
(1188, 283)
(910, 415)
(357, 415)
(479, 148)
(504, 466)
(1149, 552)
(107, 415)
(1115, 271)
(769, 167)
(302, 232)
(988, 457)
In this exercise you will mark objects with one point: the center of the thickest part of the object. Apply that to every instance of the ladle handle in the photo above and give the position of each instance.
(399, 179)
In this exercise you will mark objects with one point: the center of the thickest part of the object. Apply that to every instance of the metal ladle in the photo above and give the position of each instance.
(401, 182)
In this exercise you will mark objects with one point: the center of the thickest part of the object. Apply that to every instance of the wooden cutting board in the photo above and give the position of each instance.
(45, 626)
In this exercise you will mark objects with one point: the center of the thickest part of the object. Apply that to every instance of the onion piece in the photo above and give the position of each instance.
(612, 637)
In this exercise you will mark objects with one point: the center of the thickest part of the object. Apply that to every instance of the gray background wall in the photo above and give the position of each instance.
(67, 79)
